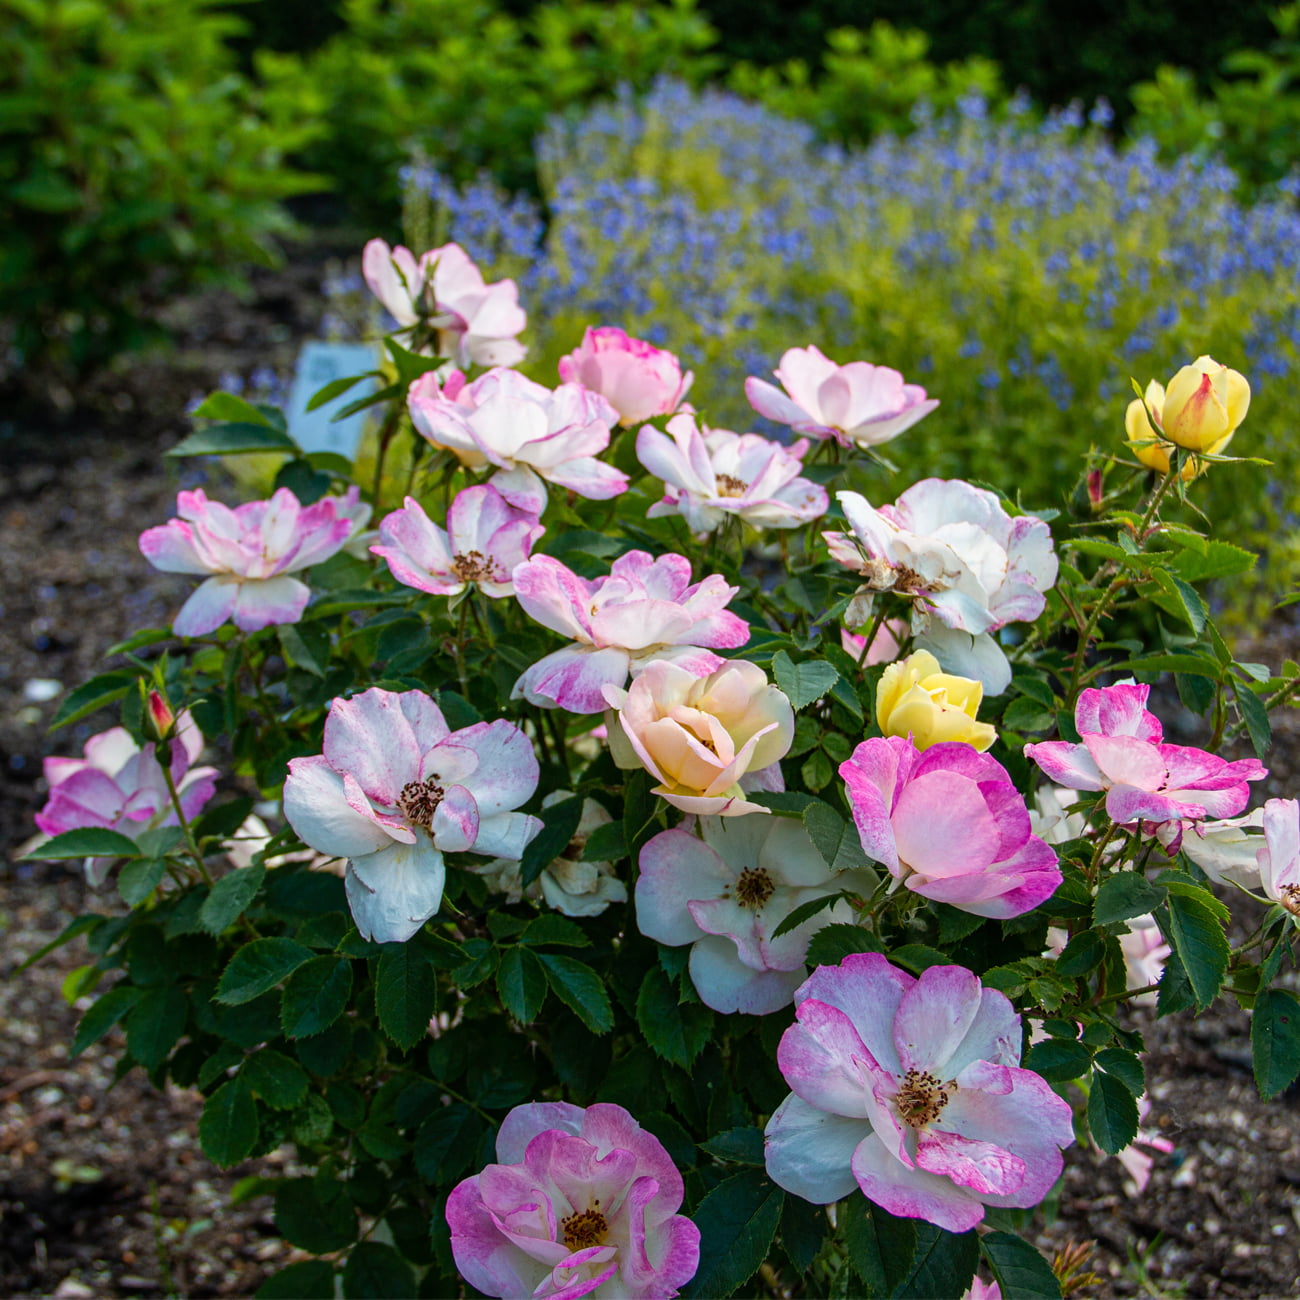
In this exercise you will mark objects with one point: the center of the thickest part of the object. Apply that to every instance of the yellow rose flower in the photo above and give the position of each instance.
(915, 698)
(1200, 410)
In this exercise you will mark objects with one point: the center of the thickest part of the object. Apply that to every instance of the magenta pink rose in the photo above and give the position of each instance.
(639, 381)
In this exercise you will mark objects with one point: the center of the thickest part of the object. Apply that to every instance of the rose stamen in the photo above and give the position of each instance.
(419, 800)
(921, 1098)
(754, 887)
(584, 1230)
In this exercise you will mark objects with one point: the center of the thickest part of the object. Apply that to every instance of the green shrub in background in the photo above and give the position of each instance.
(135, 163)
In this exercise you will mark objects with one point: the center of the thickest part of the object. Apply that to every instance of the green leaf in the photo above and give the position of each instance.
(257, 967)
(555, 929)
(1059, 1060)
(580, 989)
(313, 1279)
(233, 439)
(742, 1146)
(805, 912)
(336, 388)
(1255, 716)
(832, 943)
(446, 1142)
(803, 683)
(1123, 895)
(1218, 560)
(1275, 1041)
(836, 839)
(521, 982)
(306, 646)
(1020, 1271)
(607, 843)
(674, 1031)
(1202, 946)
(280, 1081)
(312, 1223)
(944, 1264)
(803, 1231)
(1175, 991)
(880, 1247)
(228, 1126)
(139, 878)
(226, 406)
(1112, 1113)
(102, 1015)
(81, 925)
(86, 842)
(377, 1272)
(93, 695)
(406, 992)
(560, 822)
(155, 1023)
(1188, 601)
(737, 1221)
(1124, 1066)
(918, 957)
(229, 897)
(1083, 953)
(315, 996)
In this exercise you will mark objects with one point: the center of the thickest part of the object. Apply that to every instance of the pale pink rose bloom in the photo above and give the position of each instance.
(971, 566)
(726, 891)
(583, 1203)
(475, 322)
(884, 648)
(1228, 850)
(484, 540)
(706, 740)
(857, 404)
(911, 1090)
(638, 380)
(708, 476)
(982, 1291)
(646, 609)
(119, 786)
(395, 789)
(531, 434)
(249, 553)
(950, 825)
(1145, 952)
(1146, 782)
(1279, 859)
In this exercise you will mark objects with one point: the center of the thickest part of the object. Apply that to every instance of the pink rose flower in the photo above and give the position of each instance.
(708, 476)
(857, 404)
(532, 435)
(950, 825)
(119, 786)
(887, 643)
(726, 891)
(911, 1089)
(583, 1203)
(1147, 783)
(249, 552)
(706, 740)
(646, 609)
(1279, 859)
(484, 540)
(636, 379)
(473, 321)
(395, 789)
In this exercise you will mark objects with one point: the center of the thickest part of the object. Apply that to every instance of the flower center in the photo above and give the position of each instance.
(754, 887)
(921, 1098)
(582, 1231)
(475, 567)
(731, 486)
(1290, 898)
(419, 800)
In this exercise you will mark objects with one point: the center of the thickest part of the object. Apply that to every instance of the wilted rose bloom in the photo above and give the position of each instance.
(1279, 859)
(911, 1090)
(971, 566)
(583, 1203)
(1200, 410)
(949, 824)
(533, 435)
(646, 609)
(638, 380)
(473, 321)
(484, 540)
(914, 698)
(119, 786)
(1147, 783)
(857, 404)
(249, 552)
(395, 789)
(1228, 850)
(726, 891)
(702, 738)
(710, 476)
(1147, 445)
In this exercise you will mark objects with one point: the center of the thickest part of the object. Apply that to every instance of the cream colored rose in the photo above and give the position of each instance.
(699, 736)
(916, 699)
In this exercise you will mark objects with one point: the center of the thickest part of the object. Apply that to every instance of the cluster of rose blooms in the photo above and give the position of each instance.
(908, 1088)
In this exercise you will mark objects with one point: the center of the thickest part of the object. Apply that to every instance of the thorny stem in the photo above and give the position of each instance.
(190, 842)
(388, 428)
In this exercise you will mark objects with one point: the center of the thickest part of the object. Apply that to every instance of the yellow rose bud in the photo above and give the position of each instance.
(1150, 447)
(1204, 403)
(915, 698)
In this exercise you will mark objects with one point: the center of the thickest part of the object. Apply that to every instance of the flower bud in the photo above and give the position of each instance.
(159, 716)
(916, 699)
(1150, 447)
(1204, 403)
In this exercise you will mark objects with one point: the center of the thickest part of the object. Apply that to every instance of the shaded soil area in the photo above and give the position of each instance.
(103, 1188)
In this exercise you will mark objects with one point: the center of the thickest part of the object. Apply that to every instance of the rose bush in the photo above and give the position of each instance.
(843, 899)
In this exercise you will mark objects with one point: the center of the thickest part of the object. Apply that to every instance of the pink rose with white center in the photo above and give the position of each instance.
(638, 380)
(645, 609)
(708, 476)
(858, 404)
(583, 1203)
(533, 435)
(971, 567)
(911, 1089)
(706, 740)
(1120, 751)
(726, 891)
(249, 553)
(1279, 859)
(395, 789)
(119, 786)
(484, 540)
(950, 825)
(473, 321)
